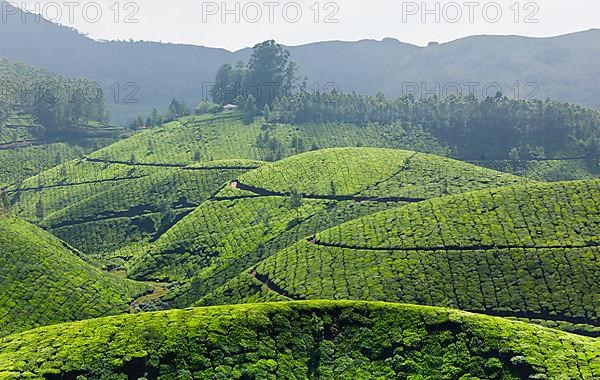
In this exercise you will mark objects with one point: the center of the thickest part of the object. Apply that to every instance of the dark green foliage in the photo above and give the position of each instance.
(268, 75)
(46, 119)
(56, 102)
(205, 107)
(327, 340)
(519, 129)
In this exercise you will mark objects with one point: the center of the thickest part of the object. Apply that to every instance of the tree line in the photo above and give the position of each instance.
(494, 127)
(56, 102)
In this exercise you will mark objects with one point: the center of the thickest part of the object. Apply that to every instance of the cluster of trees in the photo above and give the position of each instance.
(268, 75)
(177, 109)
(519, 129)
(58, 103)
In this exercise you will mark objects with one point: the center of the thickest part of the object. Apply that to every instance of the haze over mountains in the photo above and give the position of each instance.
(561, 68)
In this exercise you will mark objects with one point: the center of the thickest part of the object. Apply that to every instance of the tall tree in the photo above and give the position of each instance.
(271, 72)
(267, 76)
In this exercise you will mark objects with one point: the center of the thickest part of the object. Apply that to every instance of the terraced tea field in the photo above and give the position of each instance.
(225, 136)
(142, 208)
(275, 205)
(302, 235)
(73, 200)
(525, 251)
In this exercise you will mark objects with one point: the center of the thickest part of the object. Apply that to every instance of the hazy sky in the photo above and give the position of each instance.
(296, 22)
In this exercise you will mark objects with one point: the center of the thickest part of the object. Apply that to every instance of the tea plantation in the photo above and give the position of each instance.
(530, 251)
(275, 205)
(226, 136)
(300, 235)
(142, 208)
(306, 340)
(43, 281)
(67, 194)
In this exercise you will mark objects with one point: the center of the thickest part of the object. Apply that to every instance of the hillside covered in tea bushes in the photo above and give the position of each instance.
(156, 161)
(300, 340)
(530, 250)
(44, 281)
(135, 209)
(80, 200)
(269, 208)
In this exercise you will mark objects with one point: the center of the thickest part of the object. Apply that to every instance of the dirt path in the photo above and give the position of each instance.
(159, 290)
(451, 248)
(271, 286)
(260, 192)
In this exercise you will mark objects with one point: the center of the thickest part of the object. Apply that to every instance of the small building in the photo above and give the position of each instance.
(234, 184)
(230, 107)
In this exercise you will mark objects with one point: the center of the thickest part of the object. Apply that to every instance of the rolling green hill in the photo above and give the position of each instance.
(527, 251)
(277, 204)
(43, 281)
(74, 191)
(140, 209)
(25, 151)
(225, 136)
(306, 340)
(204, 139)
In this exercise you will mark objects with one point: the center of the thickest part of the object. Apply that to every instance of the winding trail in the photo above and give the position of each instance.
(451, 247)
(170, 165)
(272, 286)
(260, 192)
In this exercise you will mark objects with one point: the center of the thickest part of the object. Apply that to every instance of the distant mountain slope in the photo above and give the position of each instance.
(42, 281)
(275, 205)
(530, 250)
(301, 340)
(565, 68)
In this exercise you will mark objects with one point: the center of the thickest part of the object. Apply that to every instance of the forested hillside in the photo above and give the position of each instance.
(47, 119)
(56, 102)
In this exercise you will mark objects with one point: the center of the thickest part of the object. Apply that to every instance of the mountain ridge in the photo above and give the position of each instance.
(161, 71)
